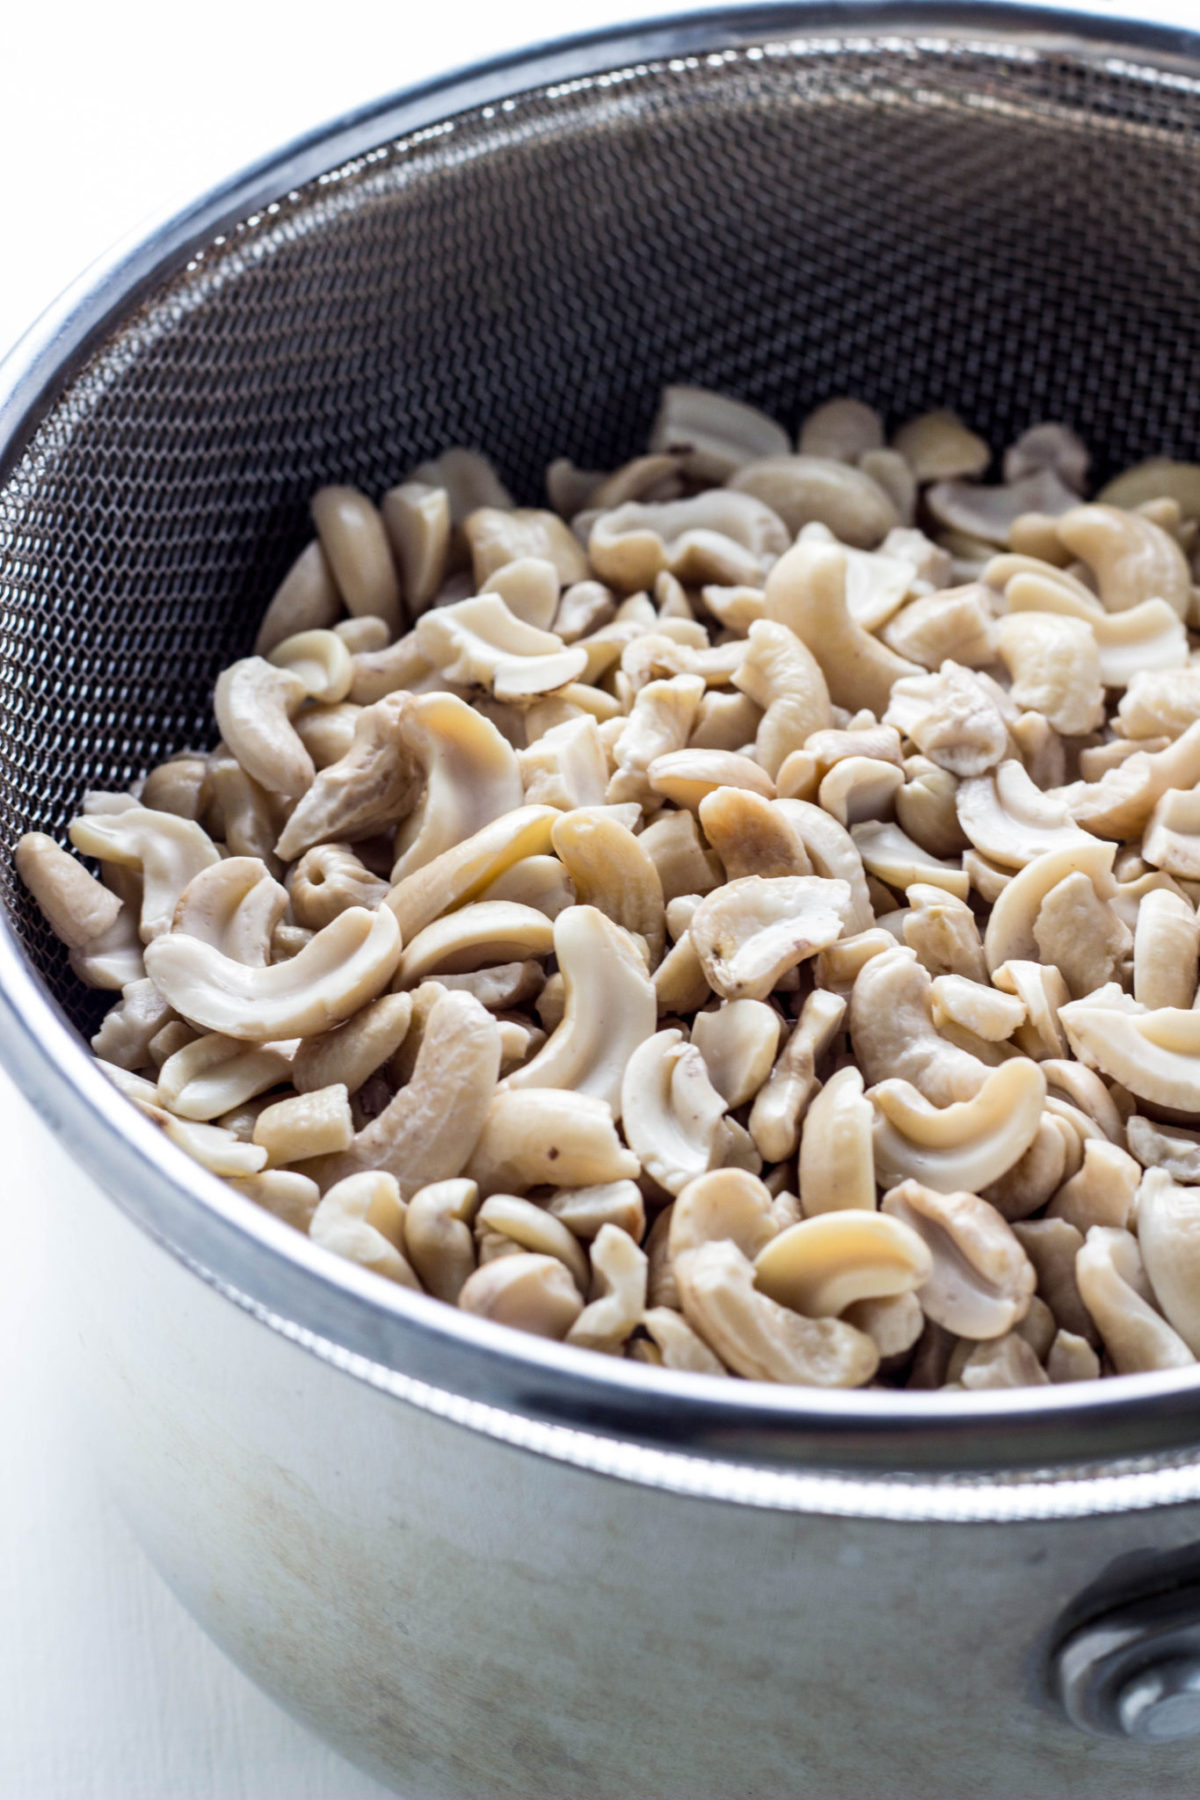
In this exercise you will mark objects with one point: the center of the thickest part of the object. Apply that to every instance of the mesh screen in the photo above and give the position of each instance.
(1015, 232)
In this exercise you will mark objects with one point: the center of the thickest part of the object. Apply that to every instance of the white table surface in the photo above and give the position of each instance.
(108, 115)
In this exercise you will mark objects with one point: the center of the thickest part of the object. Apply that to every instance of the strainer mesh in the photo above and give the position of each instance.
(1011, 230)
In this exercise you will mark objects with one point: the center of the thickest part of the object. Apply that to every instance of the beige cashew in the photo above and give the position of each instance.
(736, 608)
(1166, 951)
(738, 1042)
(1168, 1233)
(749, 933)
(1158, 1146)
(1010, 934)
(114, 959)
(967, 1144)
(988, 878)
(1048, 445)
(618, 1295)
(1103, 1190)
(416, 517)
(837, 1157)
(842, 428)
(1172, 836)
(235, 906)
(779, 1105)
(807, 591)
(356, 544)
(548, 1137)
(1112, 1281)
(1160, 703)
(585, 1210)
(892, 857)
(1052, 1246)
(1155, 479)
(477, 936)
(983, 517)
(320, 660)
(306, 1125)
(1071, 1358)
(939, 447)
(1155, 1055)
(462, 872)
(367, 789)
(660, 722)
(610, 1009)
(327, 879)
(212, 1074)
(802, 489)
(583, 608)
(306, 599)
(1131, 558)
(752, 836)
(876, 583)
(78, 908)
(242, 812)
(672, 1344)
(438, 1239)
(894, 1324)
(952, 717)
(723, 1204)
(879, 742)
(362, 1220)
(956, 625)
(1147, 637)
(179, 785)
(712, 433)
(565, 767)
(1081, 935)
(823, 1265)
(363, 637)
(943, 932)
(471, 777)
(502, 987)
(610, 870)
(1026, 1187)
(687, 777)
(1121, 803)
(1006, 1362)
(354, 1051)
(892, 1030)
(534, 1293)
(984, 1011)
(378, 673)
(131, 1026)
(539, 881)
(1054, 663)
(1042, 991)
(469, 479)
(168, 850)
(982, 1281)
(684, 866)
(254, 703)
(722, 536)
(1084, 1089)
(533, 1228)
(479, 641)
(529, 587)
(926, 807)
(498, 536)
(861, 788)
(780, 674)
(1012, 821)
(286, 1193)
(214, 1148)
(759, 1339)
(673, 1116)
(839, 966)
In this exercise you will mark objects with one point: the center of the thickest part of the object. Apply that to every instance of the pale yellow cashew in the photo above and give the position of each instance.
(822, 1265)
(168, 850)
(967, 1144)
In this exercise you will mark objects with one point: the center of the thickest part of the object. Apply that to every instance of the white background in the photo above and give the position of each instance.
(109, 114)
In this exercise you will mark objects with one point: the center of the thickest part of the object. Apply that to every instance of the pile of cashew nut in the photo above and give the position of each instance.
(741, 916)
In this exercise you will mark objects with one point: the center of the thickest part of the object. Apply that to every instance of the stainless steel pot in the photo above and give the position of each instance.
(486, 1566)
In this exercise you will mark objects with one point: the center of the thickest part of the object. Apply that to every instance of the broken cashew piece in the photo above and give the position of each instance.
(548, 1137)
(255, 703)
(618, 1293)
(968, 1144)
(534, 1293)
(1112, 1282)
(168, 850)
(438, 1238)
(749, 933)
(235, 906)
(673, 1116)
(806, 591)
(1156, 1055)
(837, 1156)
(362, 1220)
(982, 1281)
(77, 907)
(823, 1265)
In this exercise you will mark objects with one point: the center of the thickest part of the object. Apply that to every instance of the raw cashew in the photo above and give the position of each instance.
(1168, 1232)
(1055, 667)
(213, 1074)
(610, 870)
(837, 1158)
(461, 873)
(618, 1297)
(438, 1238)
(982, 1281)
(235, 906)
(756, 1337)
(672, 1344)
(723, 1204)
(255, 703)
(480, 641)
(77, 907)
(169, 851)
(752, 836)
(673, 1116)
(751, 932)
(1132, 559)
(548, 1137)
(964, 1145)
(1156, 1055)
(823, 1265)
(477, 936)
(799, 489)
(534, 1293)
(416, 517)
(779, 1104)
(806, 591)
(355, 542)
(1112, 1280)
(362, 1219)
(722, 536)
(1166, 950)
(306, 599)
(892, 1030)
(738, 1043)
(780, 674)
(713, 434)
(1011, 820)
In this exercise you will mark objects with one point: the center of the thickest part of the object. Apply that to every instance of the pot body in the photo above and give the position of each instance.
(475, 1621)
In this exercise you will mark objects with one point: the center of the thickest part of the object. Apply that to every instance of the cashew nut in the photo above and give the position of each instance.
(800, 489)
(749, 933)
(169, 851)
(712, 433)
(1112, 1281)
(967, 1144)
(823, 1265)
(981, 1282)
(837, 1157)
(673, 1116)
(618, 1295)
(77, 907)
(806, 591)
(306, 599)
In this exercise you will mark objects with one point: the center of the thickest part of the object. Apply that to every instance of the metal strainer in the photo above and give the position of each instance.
(981, 207)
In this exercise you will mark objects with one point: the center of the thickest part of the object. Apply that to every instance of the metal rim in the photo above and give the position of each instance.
(433, 1355)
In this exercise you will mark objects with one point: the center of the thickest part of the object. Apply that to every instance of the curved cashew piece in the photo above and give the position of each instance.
(179, 785)
(779, 1104)
(461, 873)
(500, 535)
(952, 717)
(168, 850)
(684, 865)
(1011, 820)
(1005, 1362)
(234, 906)
(351, 1054)
(659, 722)
(806, 591)
(842, 428)
(1147, 637)
(319, 659)
(566, 766)
(801, 489)
(982, 1281)
(479, 641)
(475, 937)
(672, 1344)
(306, 599)
(1071, 1358)
(539, 881)
(327, 879)
(712, 433)
(336, 973)
(1160, 702)
(1158, 1146)
(1157, 478)
(1132, 559)
(833, 854)
(1102, 1191)
(469, 480)
(781, 674)
(837, 1155)
(719, 536)
(77, 907)
(1081, 935)
(943, 932)
(738, 1043)
(611, 871)
(610, 1009)
(254, 703)
(533, 1229)
(968, 1144)
(437, 1236)
(876, 583)
(687, 777)
(1121, 802)
(957, 624)
(984, 1011)
(132, 1026)
(302, 1126)
(823, 1265)
(861, 788)
(471, 777)
(752, 836)
(984, 516)
(1054, 663)
(548, 1137)
(1156, 1055)
(756, 1337)
(723, 1204)
(416, 517)
(1010, 934)
(674, 1118)
(1170, 840)
(1112, 1281)
(839, 966)
(585, 1210)
(1166, 951)
(749, 933)
(1052, 1246)
(356, 544)
(368, 788)
(1032, 1179)
(618, 1293)
(534, 1293)
(939, 447)
(890, 855)
(1048, 445)
(894, 1324)
(291, 1196)
(892, 1030)
(213, 1074)
(1168, 1232)
(362, 1219)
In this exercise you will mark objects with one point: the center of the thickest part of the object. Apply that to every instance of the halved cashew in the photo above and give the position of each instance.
(353, 1052)
(215, 1149)
(255, 703)
(566, 766)
(978, 518)
(688, 776)
(719, 536)
(800, 489)
(861, 788)
(892, 1030)
(985, 1011)
(1160, 703)
(756, 1337)
(1035, 1175)
(1172, 837)
(362, 637)
(842, 428)
(806, 591)
(752, 836)
(241, 811)
(534, 1293)
(471, 777)
(837, 1156)
(1054, 663)
(356, 544)
(833, 854)
(1132, 559)
(1011, 820)
(362, 1219)
(302, 1126)
(77, 907)
(1005, 1362)
(944, 933)
(610, 870)
(618, 1295)
(895, 1324)
(967, 1144)
(213, 1074)
(1048, 445)
(367, 789)
(499, 535)
(738, 1043)
(684, 865)
(891, 855)
(1168, 1232)
(779, 1104)
(1103, 1189)
(475, 937)
(673, 1116)
(437, 1236)
(416, 517)
(306, 599)
(952, 717)
(1081, 935)
(1156, 1055)
(113, 959)
(1122, 801)
(319, 659)
(1052, 1246)
(461, 873)
(1071, 1358)
(1084, 1089)
(131, 1026)
(939, 447)
(1166, 951)
(1150, 636)
(326, 880)
(957, 624)
(781, 674)
(337, 972)
(179, 785)
(823, 1265)
(877, 583)
(723, 1204)
(548, 1137)
(672, 1344)
(168, 850)
(235, 906)
(982, 1281)
(1112, 1280)
(712, 433)
(1167, 1147)
(479, 641)
(1156, 478)
(749, 933)
(539, 881)
(660, 721)
(586, 1210)
(1009, 936)
(838, 967)
(534, 1229)
(529, 587)
(286, 1193)
(610, 1009)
